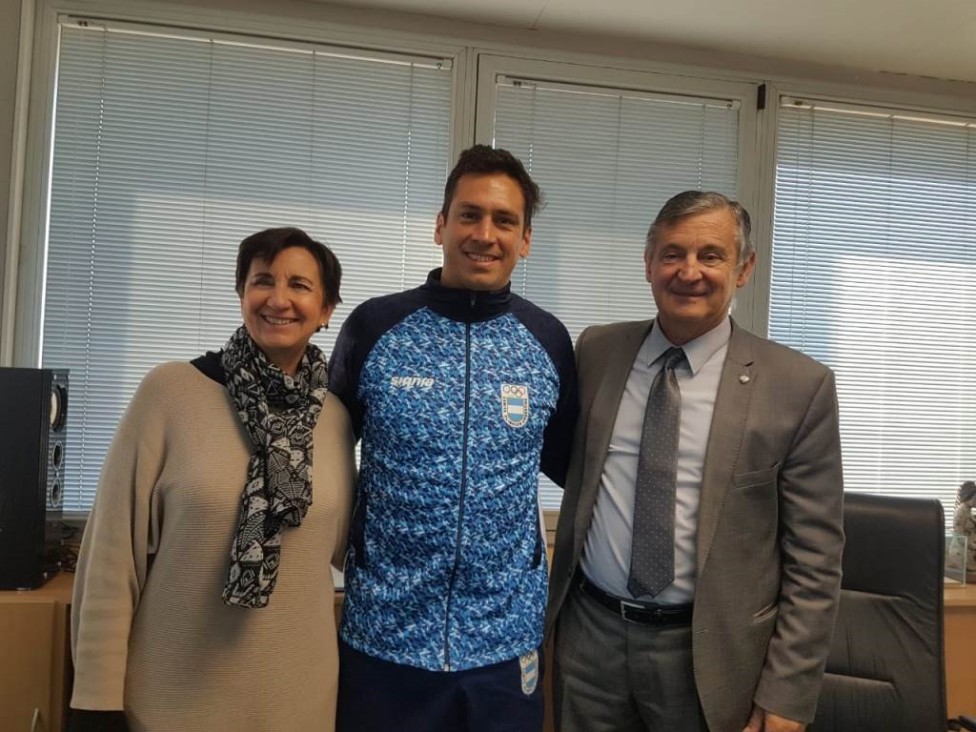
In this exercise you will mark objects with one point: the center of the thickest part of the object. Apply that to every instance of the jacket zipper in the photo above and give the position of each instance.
(464, 485)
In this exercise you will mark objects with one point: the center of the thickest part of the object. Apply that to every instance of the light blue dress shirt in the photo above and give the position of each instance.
(606, 554)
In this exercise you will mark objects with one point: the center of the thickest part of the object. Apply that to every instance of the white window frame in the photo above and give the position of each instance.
(476, 53)
(492, 66)
(874, 102)
(23, 321)
(494, 69)
(929, 104)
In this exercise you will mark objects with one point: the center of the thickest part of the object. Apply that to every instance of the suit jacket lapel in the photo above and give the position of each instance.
(601, 414)
(725, 436)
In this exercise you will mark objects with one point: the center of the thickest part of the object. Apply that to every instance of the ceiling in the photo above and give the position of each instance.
(933, 38)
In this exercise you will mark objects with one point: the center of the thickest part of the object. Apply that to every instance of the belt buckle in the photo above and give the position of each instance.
(625, 606)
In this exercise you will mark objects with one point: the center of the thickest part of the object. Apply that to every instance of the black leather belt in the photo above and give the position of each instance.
(636, 612)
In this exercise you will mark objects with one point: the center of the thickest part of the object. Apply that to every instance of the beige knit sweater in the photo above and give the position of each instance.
(150, 632)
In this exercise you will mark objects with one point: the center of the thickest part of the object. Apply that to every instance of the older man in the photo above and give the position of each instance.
(697, 561)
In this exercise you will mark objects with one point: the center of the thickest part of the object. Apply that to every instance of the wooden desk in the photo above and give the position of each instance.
(35, 669)
(960, 649)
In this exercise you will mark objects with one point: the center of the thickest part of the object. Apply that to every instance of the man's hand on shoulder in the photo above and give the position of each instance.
(763, 721)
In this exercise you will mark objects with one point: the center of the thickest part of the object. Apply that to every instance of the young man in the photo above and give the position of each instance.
(460, 391)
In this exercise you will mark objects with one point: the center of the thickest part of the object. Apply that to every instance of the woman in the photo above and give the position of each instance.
(203, 598)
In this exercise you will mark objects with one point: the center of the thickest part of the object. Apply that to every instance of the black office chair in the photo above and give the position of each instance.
(886, 671)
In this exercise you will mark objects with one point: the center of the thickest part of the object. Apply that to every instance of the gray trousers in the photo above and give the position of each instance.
(611, 675)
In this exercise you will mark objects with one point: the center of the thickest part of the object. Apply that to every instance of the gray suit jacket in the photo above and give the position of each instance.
(770, 530)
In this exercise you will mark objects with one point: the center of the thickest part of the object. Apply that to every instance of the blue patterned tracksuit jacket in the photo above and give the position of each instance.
(459, 397)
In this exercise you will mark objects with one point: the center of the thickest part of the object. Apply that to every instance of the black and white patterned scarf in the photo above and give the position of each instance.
(279, 413)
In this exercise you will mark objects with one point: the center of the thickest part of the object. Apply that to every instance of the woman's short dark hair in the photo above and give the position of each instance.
(266, 245)
(485, 160)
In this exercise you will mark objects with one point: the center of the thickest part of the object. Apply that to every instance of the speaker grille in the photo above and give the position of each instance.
(58, 421)
(33, 432)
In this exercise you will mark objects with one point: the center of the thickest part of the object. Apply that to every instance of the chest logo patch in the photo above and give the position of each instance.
(515, 404)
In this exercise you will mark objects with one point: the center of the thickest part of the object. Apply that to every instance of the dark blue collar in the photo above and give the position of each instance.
(468, 306)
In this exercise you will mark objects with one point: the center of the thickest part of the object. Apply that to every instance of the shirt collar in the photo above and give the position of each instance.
(697, 351)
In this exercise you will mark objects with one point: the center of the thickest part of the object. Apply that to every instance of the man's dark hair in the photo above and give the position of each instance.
(266, 245)
(485, 160)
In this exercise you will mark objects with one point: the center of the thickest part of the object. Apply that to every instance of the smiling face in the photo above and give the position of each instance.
(484, 234)
(283, 304)
(694, 271)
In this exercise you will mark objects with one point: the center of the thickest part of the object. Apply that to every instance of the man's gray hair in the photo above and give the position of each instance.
(690, 203)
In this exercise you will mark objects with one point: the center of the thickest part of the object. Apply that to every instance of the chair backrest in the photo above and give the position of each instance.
(886, 670)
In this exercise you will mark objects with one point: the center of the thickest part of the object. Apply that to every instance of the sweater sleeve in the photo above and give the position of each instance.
(114, 557)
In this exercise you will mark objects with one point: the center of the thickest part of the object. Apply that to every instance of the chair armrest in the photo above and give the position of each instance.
(963, 722)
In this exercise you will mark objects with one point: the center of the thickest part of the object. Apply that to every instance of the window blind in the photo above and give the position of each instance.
(606, 160)
(170, 148)
(874, 274)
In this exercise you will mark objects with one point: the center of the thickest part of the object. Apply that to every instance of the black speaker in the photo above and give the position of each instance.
(33, 415)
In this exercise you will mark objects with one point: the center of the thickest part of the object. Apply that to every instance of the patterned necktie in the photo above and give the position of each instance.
(652, 552)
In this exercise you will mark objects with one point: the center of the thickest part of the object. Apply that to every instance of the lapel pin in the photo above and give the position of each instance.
(744, 379)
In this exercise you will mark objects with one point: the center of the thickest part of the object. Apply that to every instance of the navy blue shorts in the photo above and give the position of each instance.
(380, 696)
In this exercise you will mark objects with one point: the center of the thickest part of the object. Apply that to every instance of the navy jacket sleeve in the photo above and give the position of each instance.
(558, 437)
(364, 326)
(344, 370)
